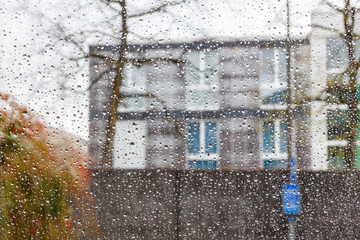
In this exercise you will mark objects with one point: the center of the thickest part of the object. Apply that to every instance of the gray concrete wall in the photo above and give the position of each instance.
(170, 204)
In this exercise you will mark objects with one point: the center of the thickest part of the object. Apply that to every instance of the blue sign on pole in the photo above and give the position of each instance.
(291, 199)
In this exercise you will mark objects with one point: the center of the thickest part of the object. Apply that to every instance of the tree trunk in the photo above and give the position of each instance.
(350, 151)
(110, 128)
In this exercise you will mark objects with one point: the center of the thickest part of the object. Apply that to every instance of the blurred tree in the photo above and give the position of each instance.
(346, 90)
(113, 27)
(38, 182)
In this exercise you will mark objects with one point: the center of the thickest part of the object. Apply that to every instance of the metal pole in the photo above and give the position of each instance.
(289, 118)
(289, 92)
(291, 235)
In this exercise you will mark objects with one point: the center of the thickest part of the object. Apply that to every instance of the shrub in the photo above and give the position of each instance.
(39, 183)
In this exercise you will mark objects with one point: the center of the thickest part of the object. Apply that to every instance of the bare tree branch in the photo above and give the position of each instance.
(159, 8)
(328, 29)
(91, 84)
(95, 55)
(332, 6)
(98, 78)
(109, 6)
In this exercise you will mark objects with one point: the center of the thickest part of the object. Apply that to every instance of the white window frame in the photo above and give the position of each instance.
(203, 86)
(202, 155)
(277, 155)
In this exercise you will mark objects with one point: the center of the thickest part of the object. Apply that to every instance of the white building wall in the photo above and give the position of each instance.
(130, 144)
(318, 119)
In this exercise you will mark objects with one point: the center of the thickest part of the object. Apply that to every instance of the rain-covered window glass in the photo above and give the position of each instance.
(336, 157)
(129, 144)
(202, 145)
(202, 80)
(337, 59)
(337, 127)
(337, 115)
(274, 144)
(338, 131)
(190, 119)
(336, 54)
(133, 88)
(273, 75)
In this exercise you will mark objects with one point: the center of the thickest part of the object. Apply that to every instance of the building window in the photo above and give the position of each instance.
(274, 144)
(273, 75)
(133, 89)
(202, 141)
(337, 133)
(202, 80)
(336, 55)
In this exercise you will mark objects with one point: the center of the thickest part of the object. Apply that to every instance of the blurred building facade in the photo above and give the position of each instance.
(329, 123)
(221, 107)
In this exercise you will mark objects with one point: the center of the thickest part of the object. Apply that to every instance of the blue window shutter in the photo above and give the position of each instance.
(210, 137)
(194, 138)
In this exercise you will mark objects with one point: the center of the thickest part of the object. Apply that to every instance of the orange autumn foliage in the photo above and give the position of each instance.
(39, 182)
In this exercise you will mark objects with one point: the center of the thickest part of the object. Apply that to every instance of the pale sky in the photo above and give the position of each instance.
(33, 78)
